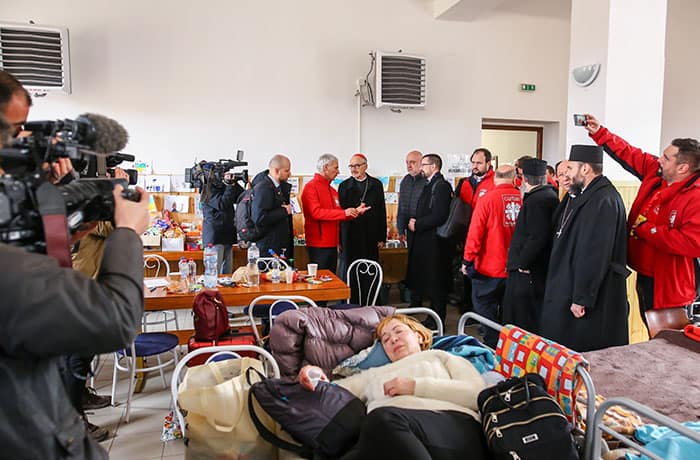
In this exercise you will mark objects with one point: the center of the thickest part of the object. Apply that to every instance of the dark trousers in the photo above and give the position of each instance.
(75, 373)
(487, 296)
(406, 434)
(326, 258)
(645, 295)
(467, 288)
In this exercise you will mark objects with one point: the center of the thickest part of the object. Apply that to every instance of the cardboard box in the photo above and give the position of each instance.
(173, 244)
(150, 240)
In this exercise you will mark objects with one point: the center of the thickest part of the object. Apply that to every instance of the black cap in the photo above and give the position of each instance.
(586, 153)
(534, 167)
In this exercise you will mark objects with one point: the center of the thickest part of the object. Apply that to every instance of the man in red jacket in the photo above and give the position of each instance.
(323, 214)
(486, 251)
(664, 220)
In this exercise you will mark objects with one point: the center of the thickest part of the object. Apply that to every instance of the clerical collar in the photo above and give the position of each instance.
(276, 182)
(361, 180)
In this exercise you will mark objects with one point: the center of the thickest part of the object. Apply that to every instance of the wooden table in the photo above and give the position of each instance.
(233, 296)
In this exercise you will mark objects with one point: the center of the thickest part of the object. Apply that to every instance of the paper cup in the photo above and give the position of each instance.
(312, 269)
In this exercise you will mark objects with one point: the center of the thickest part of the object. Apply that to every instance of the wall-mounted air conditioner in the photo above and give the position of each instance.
(38, 56)
(399, 80)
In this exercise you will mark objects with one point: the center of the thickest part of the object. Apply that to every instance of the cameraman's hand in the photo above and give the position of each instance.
(59, 169)
(119, 173)
(129, 214)
(592, 124)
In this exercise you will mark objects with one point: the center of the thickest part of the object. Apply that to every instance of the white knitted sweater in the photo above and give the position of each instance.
(443, 382)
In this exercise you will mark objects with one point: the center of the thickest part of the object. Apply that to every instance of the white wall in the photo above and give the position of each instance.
(204, 79)
(681, 108)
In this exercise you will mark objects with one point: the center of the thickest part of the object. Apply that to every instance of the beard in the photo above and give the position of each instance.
(478, 173)
(576, 187)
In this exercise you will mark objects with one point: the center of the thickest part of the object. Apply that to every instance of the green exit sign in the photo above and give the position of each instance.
(527, 87)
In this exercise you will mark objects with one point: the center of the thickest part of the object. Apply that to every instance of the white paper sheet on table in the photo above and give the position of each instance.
(152, 283)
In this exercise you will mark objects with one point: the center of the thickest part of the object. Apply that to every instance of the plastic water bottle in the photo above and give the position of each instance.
(210, 268)
(184, 268)
(314, 375)
(275, 271)
(253, 274)
(253, 253)
(192, 273)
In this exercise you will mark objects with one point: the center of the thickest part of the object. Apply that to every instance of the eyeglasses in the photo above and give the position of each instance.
(356, 166)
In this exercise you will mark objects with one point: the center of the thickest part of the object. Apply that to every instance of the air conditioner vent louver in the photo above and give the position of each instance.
(37, 55)
(400, 80)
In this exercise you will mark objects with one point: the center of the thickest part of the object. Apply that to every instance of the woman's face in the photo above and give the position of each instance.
(399, 340)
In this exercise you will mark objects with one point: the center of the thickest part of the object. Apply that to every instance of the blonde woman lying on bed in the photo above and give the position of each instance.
(422, 405)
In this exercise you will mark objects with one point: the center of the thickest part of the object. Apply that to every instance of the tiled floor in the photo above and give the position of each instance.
(139, 439)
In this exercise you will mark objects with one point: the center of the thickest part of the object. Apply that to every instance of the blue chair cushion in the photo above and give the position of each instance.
(153, 343)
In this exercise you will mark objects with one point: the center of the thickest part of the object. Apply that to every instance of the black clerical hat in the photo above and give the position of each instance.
(534, 167)
(586, 153)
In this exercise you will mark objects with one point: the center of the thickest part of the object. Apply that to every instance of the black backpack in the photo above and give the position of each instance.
(326, 422)
(522, 421)
(245, 227)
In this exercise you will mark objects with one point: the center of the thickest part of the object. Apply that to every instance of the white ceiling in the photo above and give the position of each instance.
(472, 10)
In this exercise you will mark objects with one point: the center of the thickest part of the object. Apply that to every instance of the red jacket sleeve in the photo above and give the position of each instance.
(312, 205)
(477, 227)
(633, 159)
(683, 239)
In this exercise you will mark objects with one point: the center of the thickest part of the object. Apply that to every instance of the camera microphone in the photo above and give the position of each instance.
(109, 135)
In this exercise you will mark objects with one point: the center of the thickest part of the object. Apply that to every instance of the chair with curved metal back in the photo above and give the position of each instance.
(271, 367)
(146, 345)
(156, 266)
(280, 303)
(365, 280)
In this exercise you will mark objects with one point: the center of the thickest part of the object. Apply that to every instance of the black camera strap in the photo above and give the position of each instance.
(53, 215)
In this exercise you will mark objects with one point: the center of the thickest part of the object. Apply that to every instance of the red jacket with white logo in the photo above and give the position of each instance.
(491, 229)
(322, 213)
(675, 239)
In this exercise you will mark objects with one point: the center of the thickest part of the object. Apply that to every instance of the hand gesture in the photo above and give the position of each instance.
(351, 212)
(363, 208)
(306, 381)
(130, 214)
(399, 386)
(592, 123)
(578, 310)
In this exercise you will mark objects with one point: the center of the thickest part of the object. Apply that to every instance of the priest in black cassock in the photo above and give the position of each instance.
(362, 237)
(585, 302)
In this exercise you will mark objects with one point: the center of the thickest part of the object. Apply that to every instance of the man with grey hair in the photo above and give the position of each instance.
(270, 208)
(323, 214)
(528, 255)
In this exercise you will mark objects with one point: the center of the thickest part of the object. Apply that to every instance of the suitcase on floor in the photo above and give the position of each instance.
(240, 336)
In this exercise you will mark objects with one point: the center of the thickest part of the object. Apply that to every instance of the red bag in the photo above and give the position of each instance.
(243, 337)
(210, 315)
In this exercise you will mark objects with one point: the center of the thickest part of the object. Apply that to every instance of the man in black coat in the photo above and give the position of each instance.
(270, 208)
(219, 224)
(585, 303)
(429, 256)
(361, 238)
(528, 255)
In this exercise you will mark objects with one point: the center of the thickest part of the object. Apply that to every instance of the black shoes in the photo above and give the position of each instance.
(97, 433)
(91, 400)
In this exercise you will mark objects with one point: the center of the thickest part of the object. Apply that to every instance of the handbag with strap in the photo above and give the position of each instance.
(215, 399)
(457, 223)
(522, 421)
(326, 422)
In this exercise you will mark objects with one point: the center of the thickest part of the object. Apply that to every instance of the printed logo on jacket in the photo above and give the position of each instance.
(511, 207)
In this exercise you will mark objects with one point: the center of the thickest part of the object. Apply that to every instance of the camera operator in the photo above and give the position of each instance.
(218, 228)
(49, 312)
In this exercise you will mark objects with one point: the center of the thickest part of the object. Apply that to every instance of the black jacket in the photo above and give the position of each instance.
(271, 219)
(587, 267)
(219, 225)
(529, 251)
(409, 192)
(47, 312)
(429, 255)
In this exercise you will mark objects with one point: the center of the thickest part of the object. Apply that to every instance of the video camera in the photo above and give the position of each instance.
(211, 173)
(26, 194)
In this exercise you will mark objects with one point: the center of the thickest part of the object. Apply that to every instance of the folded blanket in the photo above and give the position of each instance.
(468, 348)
